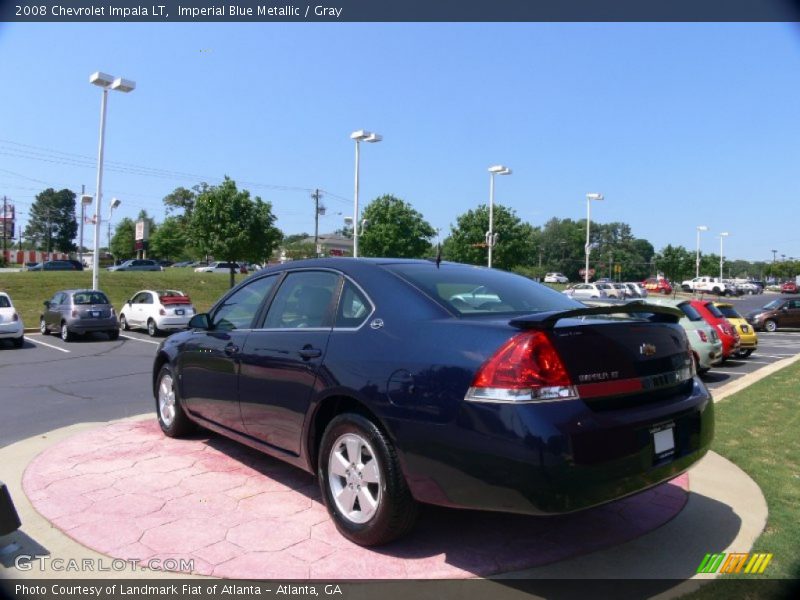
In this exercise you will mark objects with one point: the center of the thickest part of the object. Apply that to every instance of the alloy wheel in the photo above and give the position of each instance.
(354, 478)
(166, 399)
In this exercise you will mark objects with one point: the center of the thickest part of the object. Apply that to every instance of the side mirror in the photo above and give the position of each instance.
(200, 321)
(46, 303)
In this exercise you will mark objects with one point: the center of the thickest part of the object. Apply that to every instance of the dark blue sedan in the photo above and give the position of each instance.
(397, 383)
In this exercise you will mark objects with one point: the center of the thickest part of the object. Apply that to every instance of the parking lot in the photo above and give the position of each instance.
(51, 383)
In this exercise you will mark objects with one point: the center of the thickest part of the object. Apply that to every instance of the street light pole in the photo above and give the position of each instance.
(491, 236)
(115, 202)
(359, 136)
(85, 201)
(697, 260)
(722, 236)
(588, 248)
(106, 82)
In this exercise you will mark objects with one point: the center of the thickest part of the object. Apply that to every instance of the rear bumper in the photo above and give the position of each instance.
(552, 458)
(88, 325)
(173, 323)
(11, 330)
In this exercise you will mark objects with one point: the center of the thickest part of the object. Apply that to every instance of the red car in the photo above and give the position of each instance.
(727, 332)
(657, 286)
(789, 287)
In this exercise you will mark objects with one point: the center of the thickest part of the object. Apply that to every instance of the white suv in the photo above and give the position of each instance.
(556, 278)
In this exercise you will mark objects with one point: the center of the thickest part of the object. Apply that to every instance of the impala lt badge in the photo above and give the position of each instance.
(647, 349)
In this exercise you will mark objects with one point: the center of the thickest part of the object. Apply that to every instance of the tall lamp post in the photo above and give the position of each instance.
(106, 82)
(85, 201)
(360, 136)
(115, 202)
(722, 236)
(697, 260)
(491, 236)
(588, 247)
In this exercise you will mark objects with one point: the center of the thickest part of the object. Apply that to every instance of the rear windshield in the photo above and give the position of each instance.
(714, 311)
(690, 312)
(89, 298)
(475, 291)
(729, 311)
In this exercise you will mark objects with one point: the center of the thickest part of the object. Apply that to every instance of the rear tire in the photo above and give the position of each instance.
(19, 342)
(152, 330)
(43, 327)
(362, 484)
(745, 353)
(113, 334)
(123, 323)
(66, 334)
(171, 417)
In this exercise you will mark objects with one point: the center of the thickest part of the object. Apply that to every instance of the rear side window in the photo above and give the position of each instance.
(354, 308)
(475, 291)
(714, 311)
(4, 303)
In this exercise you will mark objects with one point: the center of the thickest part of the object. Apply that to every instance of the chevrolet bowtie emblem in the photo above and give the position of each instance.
(647, 349)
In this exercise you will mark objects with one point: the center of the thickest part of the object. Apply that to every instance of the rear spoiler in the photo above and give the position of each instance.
(548, 319)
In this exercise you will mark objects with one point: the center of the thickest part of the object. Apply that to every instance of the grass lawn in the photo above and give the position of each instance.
(29, 289)
(758, 430)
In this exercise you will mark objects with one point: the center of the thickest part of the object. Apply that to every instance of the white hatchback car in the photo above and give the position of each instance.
(11, 326)
(157, 311)
(586, 290)
(556, 278)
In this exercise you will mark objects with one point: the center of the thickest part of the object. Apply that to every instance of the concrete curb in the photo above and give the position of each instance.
(751, 378)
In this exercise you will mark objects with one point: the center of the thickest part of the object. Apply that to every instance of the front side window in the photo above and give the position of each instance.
(240, 308)
(304, 300)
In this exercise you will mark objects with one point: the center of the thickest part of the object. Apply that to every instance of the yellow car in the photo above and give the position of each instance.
(747, 335)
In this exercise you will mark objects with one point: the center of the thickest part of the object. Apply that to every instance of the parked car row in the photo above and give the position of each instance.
(723, 287)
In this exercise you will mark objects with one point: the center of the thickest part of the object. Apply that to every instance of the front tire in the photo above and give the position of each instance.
(770, 325)
(171, 417)
(362, 484)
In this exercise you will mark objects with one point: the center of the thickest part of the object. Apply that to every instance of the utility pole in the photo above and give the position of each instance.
(5, 235)
(316, 196)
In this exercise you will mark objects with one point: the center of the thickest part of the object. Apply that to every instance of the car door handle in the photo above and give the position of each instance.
(231, 349)
(309, 352)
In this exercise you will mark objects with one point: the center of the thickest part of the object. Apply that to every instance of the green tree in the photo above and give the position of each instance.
(231, 226)
(51, 222)
(123, 245)
(516, 241)
(676, 262)
(169, 240)
(395, 229)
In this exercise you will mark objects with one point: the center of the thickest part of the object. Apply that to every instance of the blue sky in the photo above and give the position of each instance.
(677, 124)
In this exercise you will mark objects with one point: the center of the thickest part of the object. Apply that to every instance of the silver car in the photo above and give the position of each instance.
(582, 291)
(76, 312)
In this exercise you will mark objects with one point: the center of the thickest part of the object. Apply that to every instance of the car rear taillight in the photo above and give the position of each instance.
(15, 317)
(527, 368)
(161, 311)
(702, 335)
(113, 313)
(74, 313)
(724, 329)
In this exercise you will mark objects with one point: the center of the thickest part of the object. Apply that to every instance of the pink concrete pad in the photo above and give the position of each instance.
(128, 491)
